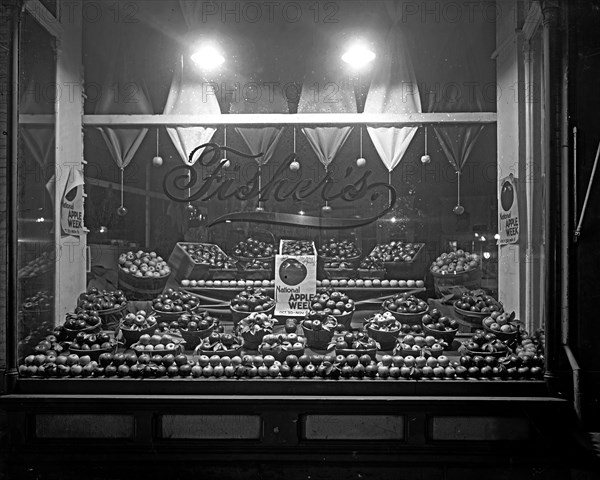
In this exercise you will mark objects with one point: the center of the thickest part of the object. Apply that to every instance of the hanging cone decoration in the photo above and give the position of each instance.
(157, 161)
(425, 158)
(122, 210)
(361, 161)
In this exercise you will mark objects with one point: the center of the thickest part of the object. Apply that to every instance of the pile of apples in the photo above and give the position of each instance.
(297, 247)
(484, 343)
(333, 303)
(319, 321)
(384, 322)
(455, 262)
(98, 300)
(421, 345)
(396, 251)
(353, 341)
(405, 303)
(226, 283)
(140, 320)
(37, 266)
(173, 301)
(252, 300)
(257, 264)
(253, 248)
(478, 301)
(501, 322)
(338, 251)
(81, 320)
(371, 263)
(93, 341)
(194, 322)
(256, 322)
(155, 343)
(218, 342)
(418, 367)
(56, 365)
(209, 254)
(282, 343)
(144, 264)
(438, 322)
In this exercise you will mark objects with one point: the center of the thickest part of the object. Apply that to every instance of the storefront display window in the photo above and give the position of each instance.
(340, 197)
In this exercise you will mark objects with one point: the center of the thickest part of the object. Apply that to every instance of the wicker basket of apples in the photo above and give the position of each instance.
(142, 275)
(81, 321)
(247, 251)
(258, 269)
(280, 346)
(172, 303)
(254, 327)
(358, 343)
(503, 325)
(318, 328)
(439, 326)
(406, 308)
(193, 327)
(475, 305)
(383, 328)
(251, 300)
(419, 345)
(338, 259)
(93, 344)
(134, 325)
(337, 304)
(400, 259)
(455, 269)
(221, 344)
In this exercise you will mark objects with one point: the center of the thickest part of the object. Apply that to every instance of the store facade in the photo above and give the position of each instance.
(335, 237)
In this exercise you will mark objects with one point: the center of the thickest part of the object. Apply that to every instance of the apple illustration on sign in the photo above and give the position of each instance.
(292, 272)
(507, 195)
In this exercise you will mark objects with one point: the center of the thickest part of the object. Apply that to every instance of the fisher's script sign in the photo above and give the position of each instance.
(181, 184)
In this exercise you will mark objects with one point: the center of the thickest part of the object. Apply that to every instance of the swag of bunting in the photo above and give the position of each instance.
(394, 90)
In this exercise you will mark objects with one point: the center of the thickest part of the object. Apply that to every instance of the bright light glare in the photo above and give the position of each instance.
(208, 57)
(103, 229)
(487, 255)
(497, 236)
(393, 219)
(358, 56)
(301, 212)
(40, 220)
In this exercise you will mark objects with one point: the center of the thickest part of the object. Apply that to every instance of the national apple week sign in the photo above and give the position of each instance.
(295, 284)
(508, 211)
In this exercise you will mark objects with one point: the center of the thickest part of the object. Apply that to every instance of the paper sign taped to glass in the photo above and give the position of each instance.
(71, 207)
(295, 284)
(508, 211)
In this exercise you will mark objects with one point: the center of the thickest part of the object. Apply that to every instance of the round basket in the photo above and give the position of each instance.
(141, 288)
(474, 318)
(193, 338)
(234, 352)
(387, 340)
(372, 352)
(447, 336)
(93, 354)
(409, 318)
(136, 348)
(280, 354)
(131, 336)
(171, 316)
(253, 340)
(318, 339)
(504, 336)
(236, 315)
(446, 283)
(70, 334)
(345, 319)
(465, 351)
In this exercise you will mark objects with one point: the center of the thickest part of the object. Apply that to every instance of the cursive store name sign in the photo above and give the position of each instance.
(182, 184)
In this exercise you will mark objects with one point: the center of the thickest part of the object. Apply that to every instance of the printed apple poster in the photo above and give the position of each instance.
(295, 284)
(71, 207)
(508, 211)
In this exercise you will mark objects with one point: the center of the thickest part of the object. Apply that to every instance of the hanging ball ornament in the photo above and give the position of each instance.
(361, 162)
(259, 209)
(121, 211)
(226, 163)
(458, 210)
(326, 208)
(157, 161)
(295, 166)
(425, 159)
